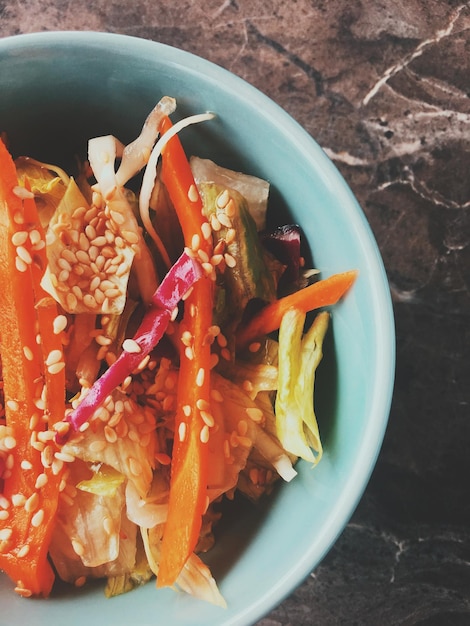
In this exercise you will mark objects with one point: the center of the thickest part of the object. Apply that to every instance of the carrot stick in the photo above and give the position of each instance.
(325, 292)
(189, 468)
(31, 482)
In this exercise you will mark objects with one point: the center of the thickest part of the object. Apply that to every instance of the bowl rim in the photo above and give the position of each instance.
(381, 404)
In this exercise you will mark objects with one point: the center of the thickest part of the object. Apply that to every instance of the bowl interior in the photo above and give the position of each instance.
(58, 90)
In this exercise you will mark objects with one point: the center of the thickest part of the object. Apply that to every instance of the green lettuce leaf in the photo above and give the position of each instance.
(299, 356)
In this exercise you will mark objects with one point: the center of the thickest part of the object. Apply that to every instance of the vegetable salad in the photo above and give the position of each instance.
(154, 360)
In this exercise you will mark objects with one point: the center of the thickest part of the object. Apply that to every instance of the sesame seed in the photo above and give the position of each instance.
(24, 255)
(117, 217)
(18, 217)
(200, 377)
(217, 259)
(245, 442)
(56, 368)
(230, 236)
(19, 237)
(65, 457)
(222, 199)
(215, 224)
(189, 353)
(204, 434)
(207, 419)
(110, 434)
(59, 324)
(224, 220)
(41, 481)
(37, 518)
(54, 356)
(193, 195)
(71, 301)
(195, 242)
(5, 534)
(78, 547)
(20, 265)
(9, 442)
(182, 431)
(203, 405)
(18, 499)
(216, 395)
(80, 581)
(230, 260)
(130, 345)
(32, 502)
(130, 236)
(4, 515)
(214, 360)
(203, 256)
(254, 414)
(47, 456)
(254, 347)
(206, 231)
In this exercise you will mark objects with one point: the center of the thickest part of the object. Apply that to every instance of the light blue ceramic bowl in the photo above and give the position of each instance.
(58, 89)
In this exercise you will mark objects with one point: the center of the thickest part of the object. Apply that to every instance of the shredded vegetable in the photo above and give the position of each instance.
(141, 382)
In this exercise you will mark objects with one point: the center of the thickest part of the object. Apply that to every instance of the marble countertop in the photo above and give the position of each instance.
(384, 87)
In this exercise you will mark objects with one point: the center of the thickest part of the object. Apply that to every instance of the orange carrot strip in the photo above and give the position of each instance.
(31, 482)
(325, 292)
(188, 487)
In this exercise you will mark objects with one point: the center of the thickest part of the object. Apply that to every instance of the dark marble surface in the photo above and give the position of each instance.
(384, 87)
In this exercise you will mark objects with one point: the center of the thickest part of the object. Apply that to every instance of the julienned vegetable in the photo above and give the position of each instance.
(138, 389)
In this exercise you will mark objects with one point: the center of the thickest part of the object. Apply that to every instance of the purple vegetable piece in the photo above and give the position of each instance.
(284, 243)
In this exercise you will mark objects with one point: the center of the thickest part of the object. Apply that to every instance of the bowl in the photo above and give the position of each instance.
(61, 88)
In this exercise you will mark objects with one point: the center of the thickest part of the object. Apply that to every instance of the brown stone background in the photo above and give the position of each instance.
(384, 87)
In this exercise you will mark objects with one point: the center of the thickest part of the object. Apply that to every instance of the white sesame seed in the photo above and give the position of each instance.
(225, 220)
(130, 345)
(193, 195)
(230, 260)
(20, 265)
(59, 324)
(18, 499)
(13, 405)
(9, 442)
(182, 431)
(23, 551)
(5, 534)
(54, 356)
(24, 255)
(195, 242)
(222, 199)
(206, 231)
(207, 418)
(204, 434)
(19, 237)
(56, 368)
(200, 377)
(32, 502)
(26, 465)
(41, 481)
